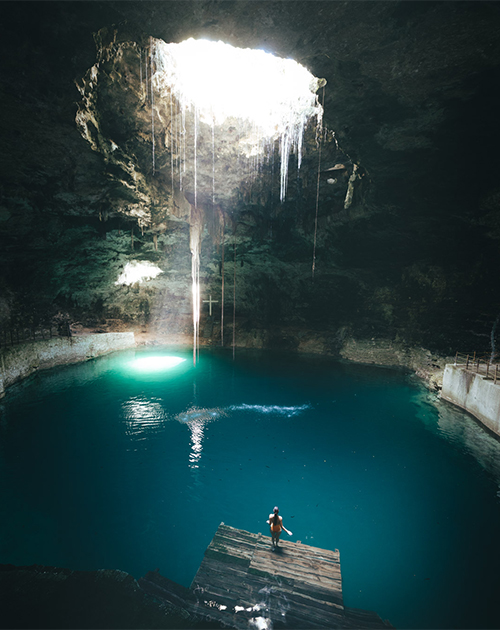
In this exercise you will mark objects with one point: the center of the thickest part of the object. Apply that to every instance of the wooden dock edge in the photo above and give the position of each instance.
(240, 584)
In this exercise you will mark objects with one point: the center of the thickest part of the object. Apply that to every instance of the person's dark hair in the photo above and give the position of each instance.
(275, 517)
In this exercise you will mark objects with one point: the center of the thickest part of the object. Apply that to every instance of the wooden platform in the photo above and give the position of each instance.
(242, 583)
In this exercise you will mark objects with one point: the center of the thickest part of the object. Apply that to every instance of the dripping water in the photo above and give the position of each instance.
(195, 231)
(195, 155)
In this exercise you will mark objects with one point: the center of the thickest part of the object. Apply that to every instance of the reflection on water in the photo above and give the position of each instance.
(197, 428)
(466, 433)
(143, 416)
(146, 416)
(196, 420)
(202, 415)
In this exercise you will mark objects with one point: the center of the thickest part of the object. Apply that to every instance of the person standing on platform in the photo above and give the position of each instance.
(276, 525)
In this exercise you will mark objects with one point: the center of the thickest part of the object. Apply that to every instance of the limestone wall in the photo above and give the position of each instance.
(18, 362)
(386, 352)
(475, 394)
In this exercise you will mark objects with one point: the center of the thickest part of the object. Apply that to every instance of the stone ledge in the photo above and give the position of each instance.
(19, 362)
(388, 353)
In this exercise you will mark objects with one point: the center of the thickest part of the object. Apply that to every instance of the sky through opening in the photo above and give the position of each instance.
(218, 81)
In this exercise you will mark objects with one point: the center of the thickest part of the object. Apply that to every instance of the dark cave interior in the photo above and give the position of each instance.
(410, 132)
(410, 100)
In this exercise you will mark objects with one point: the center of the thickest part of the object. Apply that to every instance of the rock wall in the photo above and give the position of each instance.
(20, 361)
(388, 353)
(475, 394)
(50, 597)
(80, 201)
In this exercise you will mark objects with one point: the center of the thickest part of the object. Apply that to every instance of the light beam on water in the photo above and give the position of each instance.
(156, 364)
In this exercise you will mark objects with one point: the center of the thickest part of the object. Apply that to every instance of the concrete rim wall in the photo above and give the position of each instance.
(19, 362)
(474, 393)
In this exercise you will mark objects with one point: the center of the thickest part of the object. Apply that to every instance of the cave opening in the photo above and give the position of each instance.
(207, 89)
(264, 98)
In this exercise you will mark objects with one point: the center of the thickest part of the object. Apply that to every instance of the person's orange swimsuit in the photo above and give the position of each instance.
(276, 528)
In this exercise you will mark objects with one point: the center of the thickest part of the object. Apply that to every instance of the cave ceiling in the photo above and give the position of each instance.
(407, 211)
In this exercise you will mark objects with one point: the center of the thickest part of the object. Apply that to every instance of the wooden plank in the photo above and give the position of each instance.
(308, 569)
(232, 545)
(303, 571)
(297, 585)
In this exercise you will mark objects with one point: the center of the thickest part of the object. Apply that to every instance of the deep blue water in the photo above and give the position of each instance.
(104, 466)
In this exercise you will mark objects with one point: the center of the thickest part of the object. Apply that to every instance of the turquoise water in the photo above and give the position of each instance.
(103, 465)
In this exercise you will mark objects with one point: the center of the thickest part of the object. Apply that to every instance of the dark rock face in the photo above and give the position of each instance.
(51, 597)
(407, 213)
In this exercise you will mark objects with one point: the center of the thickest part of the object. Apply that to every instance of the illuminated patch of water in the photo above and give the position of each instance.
(156, 363)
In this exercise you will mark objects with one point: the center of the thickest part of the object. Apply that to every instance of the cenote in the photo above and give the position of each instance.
(109, 464)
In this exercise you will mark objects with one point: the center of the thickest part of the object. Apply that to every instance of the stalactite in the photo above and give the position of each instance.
(350, 187)
(320, 128)
(175, 75)
(151, 49)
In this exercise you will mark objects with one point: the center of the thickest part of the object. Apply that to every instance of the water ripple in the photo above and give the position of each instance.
(200, 415)
(143, 416)
(272, 409)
